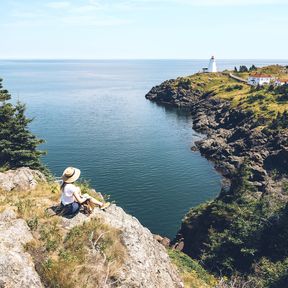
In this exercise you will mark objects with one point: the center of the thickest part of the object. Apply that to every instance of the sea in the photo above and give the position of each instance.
(93, 115)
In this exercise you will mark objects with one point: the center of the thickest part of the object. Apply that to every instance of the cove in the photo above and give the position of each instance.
(93, 115)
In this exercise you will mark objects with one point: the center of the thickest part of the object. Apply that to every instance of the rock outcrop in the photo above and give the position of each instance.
(148, 264)
(16, 266)
(21, 179)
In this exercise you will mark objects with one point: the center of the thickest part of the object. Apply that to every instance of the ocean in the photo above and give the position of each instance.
(93, 115)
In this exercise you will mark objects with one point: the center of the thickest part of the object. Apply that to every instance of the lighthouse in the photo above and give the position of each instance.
(212, 65)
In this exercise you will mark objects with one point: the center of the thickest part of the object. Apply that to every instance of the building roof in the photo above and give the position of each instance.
(283, 80)
(259, 75)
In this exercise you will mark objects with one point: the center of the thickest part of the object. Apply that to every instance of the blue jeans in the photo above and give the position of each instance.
(72, 208)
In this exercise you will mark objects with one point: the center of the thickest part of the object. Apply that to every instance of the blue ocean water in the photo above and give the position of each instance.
(93, 115)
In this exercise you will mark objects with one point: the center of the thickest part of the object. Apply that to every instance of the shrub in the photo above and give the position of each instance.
(253, 98)
(234, 87)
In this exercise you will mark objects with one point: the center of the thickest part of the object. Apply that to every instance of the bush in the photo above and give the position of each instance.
(234, 87)
(253, 98)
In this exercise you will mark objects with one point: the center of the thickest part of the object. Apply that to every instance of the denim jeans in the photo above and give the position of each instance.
(72, 208)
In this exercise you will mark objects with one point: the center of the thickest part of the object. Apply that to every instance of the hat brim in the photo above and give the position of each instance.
(73, 178)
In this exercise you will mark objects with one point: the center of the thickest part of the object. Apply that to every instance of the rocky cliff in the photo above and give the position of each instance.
(16, 266)
(227, 234)
(144, 262)
(233, 135)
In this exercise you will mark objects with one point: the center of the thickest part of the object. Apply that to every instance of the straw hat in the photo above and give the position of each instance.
(70, 175)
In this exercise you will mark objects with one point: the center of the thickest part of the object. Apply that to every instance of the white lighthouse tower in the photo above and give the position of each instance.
(212, 65)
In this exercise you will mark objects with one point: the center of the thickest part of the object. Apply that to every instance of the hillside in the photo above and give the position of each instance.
(264, 102)
(240, 233)
(106, 249)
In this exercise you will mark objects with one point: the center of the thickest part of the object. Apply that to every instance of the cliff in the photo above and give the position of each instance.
(106, 249)
(238, 232)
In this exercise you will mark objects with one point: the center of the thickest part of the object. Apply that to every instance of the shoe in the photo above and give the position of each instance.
(105, 205)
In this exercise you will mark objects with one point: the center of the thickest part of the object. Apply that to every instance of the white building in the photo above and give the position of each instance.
(259, 79)
(280, 82)
(212, 68)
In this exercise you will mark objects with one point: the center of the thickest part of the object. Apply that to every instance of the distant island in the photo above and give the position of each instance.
(242, 234)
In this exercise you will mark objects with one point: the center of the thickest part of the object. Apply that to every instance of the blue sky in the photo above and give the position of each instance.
(117, 29)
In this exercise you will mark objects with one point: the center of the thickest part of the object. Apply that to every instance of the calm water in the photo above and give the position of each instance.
(94, 116)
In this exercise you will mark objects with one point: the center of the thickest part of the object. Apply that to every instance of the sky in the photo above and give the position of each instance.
(143, 29)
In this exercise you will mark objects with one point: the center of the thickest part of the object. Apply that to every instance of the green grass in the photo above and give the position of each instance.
(263, 102)
(193, 274)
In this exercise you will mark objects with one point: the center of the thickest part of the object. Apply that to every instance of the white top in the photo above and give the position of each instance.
(68, 192)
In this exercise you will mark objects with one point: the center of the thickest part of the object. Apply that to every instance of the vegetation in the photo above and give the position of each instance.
(93, 251)
(242, 235)
(265, 102)
(243, 69)
(18, 146)
(192, 272)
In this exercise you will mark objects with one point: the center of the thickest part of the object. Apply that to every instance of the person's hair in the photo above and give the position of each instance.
(62, 186)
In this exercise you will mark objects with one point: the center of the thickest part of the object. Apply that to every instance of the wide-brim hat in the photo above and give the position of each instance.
(70, 175)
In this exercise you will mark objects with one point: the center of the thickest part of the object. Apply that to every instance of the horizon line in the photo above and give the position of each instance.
(121, 59)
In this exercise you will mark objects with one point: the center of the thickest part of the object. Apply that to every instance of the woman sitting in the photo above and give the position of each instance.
(71, 198)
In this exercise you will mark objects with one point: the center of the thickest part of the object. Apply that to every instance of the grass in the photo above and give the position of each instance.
(263, 102)
(90, 254)
(193, 274)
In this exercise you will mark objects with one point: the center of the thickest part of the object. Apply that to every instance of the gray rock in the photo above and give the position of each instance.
(16, 266)
(148, 264)
(21, 179)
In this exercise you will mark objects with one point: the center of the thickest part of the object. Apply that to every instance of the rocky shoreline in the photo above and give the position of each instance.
(233, 137)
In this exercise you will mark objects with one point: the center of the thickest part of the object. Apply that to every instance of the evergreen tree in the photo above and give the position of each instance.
(235, 69)
(18, 146)
(4, 95)
(243, 68)
(253, 68)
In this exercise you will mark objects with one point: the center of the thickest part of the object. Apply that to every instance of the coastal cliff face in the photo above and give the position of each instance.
(238, 232)
(233, 135)
(112, 248)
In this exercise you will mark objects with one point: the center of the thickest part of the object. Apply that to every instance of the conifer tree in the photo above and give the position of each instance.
(4, 95)
(253, 68)
(18, 146)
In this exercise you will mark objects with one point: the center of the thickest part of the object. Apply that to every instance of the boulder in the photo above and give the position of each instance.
(21, 179)
(16, 266)
(147, 264)
(162, 240)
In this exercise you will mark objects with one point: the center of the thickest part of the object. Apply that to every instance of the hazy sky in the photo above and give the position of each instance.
(107, 29)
